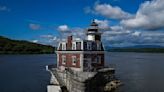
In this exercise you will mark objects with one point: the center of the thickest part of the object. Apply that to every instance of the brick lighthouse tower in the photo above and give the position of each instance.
(82, 55)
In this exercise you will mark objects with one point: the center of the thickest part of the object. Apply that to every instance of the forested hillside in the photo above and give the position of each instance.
(8, 46)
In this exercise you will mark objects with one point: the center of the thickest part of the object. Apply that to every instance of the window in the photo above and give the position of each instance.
(74, 60)
(63, 59)
(98, 59)
(98, 46)
(78, 45)
(63, 46)
(74, 46)
(89, 46)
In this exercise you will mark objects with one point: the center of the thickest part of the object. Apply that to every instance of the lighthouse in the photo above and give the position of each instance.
(80, 65)
(82, 55)
(93, 33)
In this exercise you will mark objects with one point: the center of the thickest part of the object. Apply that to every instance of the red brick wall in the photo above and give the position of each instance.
(69, 60)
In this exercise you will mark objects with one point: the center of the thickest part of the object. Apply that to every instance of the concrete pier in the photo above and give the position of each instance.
(73, 81)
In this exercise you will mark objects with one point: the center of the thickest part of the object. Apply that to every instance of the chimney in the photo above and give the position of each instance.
(69, 42)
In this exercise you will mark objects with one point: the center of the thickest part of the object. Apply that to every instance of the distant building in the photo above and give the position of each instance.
(82, 55)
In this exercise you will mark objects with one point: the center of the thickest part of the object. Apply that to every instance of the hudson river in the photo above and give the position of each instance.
(139, 72)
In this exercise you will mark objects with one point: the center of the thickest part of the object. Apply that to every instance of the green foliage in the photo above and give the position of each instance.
(8, 46)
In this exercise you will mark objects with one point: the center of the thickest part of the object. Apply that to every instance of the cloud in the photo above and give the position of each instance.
(109, 11)
(103, 24)
(48, 39)
(131, 38)
(34, 26)
(65, 31)
(4, 8)
(149, 16)
(136, 33)
(132, 29)
(47, 36)
(35, 41)
(116, 28)
(63, 28)
(78, 33)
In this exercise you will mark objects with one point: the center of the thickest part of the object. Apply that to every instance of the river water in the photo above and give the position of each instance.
(140, 72)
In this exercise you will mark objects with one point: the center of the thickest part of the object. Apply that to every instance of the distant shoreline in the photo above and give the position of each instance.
(139, 50)
(25, 53)
(9, 46)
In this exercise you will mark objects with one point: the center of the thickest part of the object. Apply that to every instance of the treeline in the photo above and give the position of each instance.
(8, 46)
(151, 50)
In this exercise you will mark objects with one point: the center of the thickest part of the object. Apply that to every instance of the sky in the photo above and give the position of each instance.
(122, 22)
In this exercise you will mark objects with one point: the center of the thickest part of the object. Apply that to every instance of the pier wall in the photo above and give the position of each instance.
(84, 81)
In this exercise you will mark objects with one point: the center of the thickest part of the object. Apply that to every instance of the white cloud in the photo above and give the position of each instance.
(35, 41)
(34, 26)
(136, 33)
(49, 40)
(103, 24)
(149, 16)
(109, 11)
(63, 28)
(4, 8)
(159, 34)
(65, 31)
(78, 32)
(47, 36)
(117, 28)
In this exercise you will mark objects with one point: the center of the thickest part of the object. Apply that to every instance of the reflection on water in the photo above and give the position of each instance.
(140, 72)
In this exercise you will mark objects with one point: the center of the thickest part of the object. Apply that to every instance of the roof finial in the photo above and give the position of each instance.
(93, 20)
(94, 23)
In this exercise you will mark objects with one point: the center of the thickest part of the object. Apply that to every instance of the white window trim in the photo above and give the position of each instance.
(63, 46)
(74, 58)
(73, 43)
(59, 45)
(82, 45)
(63, 57)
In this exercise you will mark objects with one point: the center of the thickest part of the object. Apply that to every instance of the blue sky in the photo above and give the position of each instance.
(44, 21)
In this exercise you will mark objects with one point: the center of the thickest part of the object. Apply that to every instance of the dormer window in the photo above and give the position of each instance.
(74, 46)
(99, 46)
(89, 46)
(63, 46)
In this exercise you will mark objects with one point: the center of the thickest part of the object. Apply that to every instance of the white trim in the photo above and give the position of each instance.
(63, 46)
(59, 45)
(85, 52)
(82, 45)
